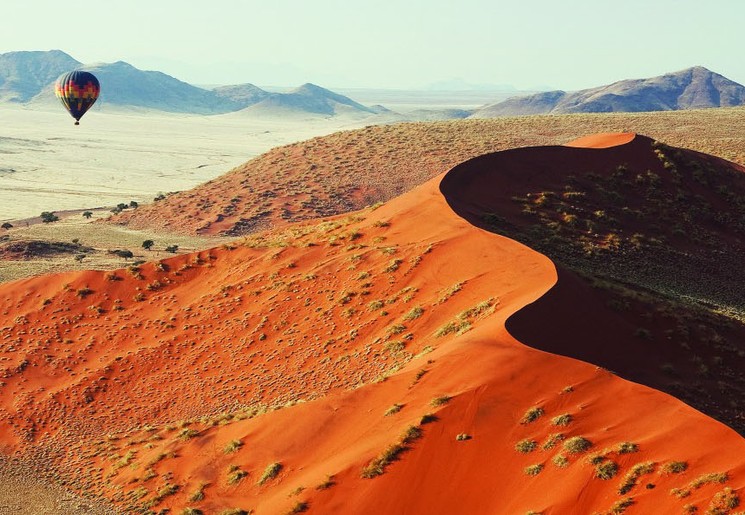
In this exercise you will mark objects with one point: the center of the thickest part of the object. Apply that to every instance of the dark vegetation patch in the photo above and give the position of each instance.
(30, 249)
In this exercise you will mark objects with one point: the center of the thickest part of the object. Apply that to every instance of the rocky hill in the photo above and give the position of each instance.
(693, 88)
(24, 74)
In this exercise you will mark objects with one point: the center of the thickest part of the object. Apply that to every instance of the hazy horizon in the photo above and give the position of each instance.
(386, 45)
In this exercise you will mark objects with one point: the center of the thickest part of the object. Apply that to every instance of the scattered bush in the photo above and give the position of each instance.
(631, 478)
(532, 415)
(270, 472)
(534, 470)
(627, 448)
(723, 501)
(198, 494)
(440, 401)
(187, 434)
(415, 313)
(328, 483)
(620, 506)
(606, 470)
(48, 217)
(560, 461)
(300, 507)
(236, 475)
(673, 467)
(393, 410)
(553, 440)
(232, 446)
(577, 444)
(562, 420)
(428, 419)
(526, 446)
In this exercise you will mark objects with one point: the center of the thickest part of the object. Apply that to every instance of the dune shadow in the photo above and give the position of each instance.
(618, 308)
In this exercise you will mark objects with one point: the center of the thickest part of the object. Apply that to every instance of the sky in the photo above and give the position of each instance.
(392, 44)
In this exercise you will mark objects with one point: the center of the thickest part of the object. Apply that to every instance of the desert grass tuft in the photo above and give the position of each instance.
(532, 415)
(577, 444)
(526, 446)
(440, 401)
(533, 470)
(673, 467)
(232, 446)
(271, 471)
(562, 420)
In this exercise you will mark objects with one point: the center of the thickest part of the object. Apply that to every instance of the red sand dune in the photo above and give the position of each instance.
(103, 376)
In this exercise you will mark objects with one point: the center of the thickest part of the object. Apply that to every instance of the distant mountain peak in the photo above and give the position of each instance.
(24, 74)
(692, 88)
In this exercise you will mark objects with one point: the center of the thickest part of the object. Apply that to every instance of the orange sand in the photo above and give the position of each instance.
(231, 328)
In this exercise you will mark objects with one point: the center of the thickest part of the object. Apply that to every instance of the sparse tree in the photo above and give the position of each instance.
(172, 249)
(148, 244)
(49, 217)
(7, 225)
(87, 214)
(126, 254)
(79, 257)
(133, 204)
(122, 206)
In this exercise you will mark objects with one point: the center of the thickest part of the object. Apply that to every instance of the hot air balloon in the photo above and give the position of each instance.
(77, 91)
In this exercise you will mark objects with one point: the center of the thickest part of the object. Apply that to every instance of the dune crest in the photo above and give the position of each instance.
(604, 140)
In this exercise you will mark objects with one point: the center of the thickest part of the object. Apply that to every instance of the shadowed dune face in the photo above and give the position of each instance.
(692, 354)
(652, 220)
(639, 212)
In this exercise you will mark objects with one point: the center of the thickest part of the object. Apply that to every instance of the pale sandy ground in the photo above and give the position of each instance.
(100, 237)
(22, 493)
(49, 164)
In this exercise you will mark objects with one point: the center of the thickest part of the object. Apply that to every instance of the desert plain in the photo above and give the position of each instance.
(378, 352)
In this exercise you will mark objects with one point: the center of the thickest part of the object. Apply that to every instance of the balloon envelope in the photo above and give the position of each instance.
(77, 91)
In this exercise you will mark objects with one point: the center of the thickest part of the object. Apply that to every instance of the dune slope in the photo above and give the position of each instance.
(356, 365)
(351, 170)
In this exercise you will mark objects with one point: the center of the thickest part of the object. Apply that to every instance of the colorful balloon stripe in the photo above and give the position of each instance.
(77, 91)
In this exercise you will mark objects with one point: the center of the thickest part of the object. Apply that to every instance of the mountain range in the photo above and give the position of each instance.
(692, 88)
(28, 77)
